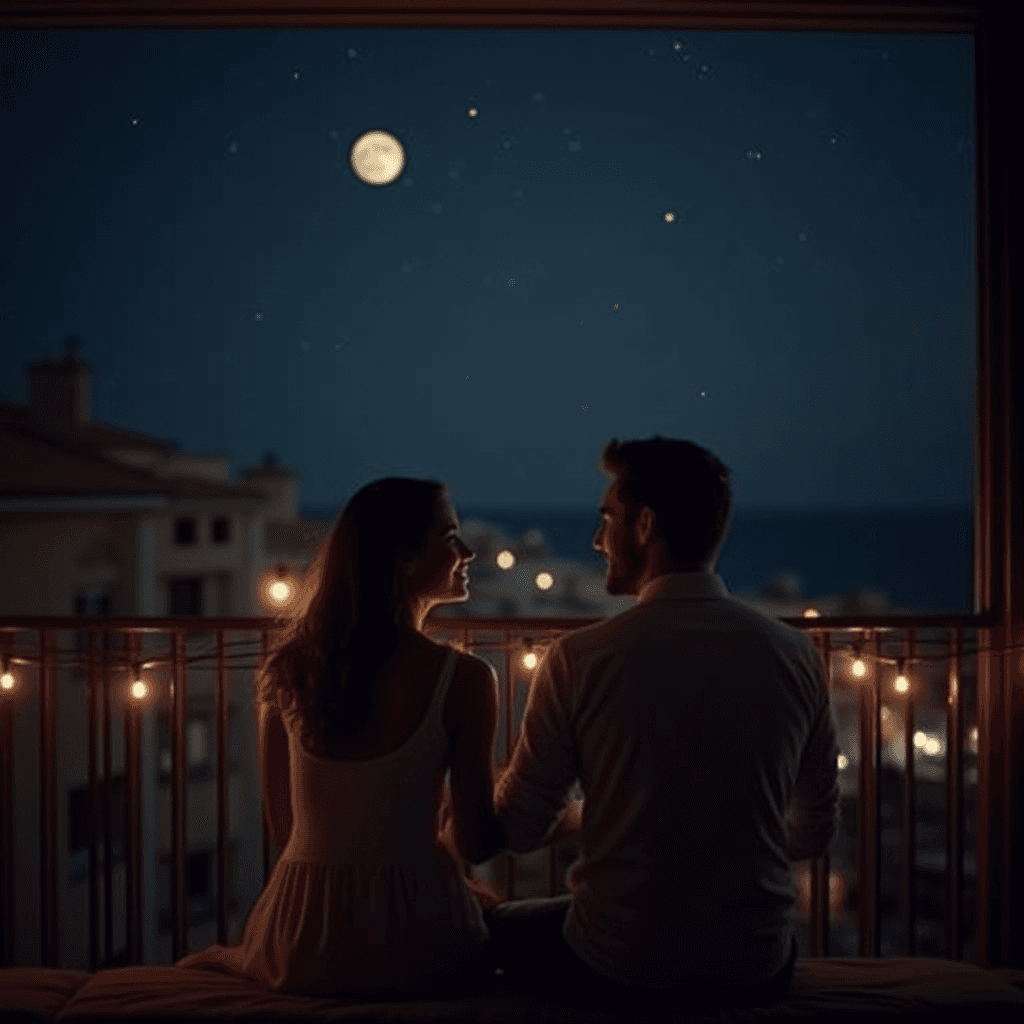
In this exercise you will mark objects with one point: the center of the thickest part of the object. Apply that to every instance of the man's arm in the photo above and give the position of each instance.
(815, 807)
(544, 764)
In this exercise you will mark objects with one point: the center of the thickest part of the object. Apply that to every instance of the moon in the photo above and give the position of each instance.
(377, 157)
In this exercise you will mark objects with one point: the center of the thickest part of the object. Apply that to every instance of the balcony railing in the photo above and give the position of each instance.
(909, 747)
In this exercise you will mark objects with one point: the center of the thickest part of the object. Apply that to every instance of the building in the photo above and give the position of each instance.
(99, 521)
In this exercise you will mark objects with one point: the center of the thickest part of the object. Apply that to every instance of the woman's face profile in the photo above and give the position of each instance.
(442, 569)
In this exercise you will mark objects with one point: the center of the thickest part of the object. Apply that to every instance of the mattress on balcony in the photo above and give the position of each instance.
(824, 991)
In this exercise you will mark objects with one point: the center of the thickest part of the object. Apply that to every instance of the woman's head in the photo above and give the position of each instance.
(393, 553)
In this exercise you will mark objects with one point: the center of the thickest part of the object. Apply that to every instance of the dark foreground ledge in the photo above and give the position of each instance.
(829, 990)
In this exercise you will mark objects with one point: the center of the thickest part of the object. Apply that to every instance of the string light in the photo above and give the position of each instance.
(138, 688)
(529, 657)
(251, 647)
(901, 684)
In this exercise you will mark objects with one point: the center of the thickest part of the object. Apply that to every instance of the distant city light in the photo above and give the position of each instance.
(811, 613)
(933, 746)
(842, 761)
(974, 739)
(920, 739)
(669, 217)
(530, 659)
(505, 559)
(472, 111)
(544, 580)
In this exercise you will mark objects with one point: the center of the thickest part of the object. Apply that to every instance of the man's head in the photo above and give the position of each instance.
(666, 510)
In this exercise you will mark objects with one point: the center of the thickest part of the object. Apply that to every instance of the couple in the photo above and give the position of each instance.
(699, 730)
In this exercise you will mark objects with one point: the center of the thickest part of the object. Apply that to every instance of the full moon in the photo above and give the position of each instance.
(377, 158)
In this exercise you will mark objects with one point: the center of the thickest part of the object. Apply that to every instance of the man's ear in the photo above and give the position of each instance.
(645, 525)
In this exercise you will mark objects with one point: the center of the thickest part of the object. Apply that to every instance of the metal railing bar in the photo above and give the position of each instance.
(133, 820)
(108, 840)
(509, 697)
(179, 840)
(49, 934)
(221, 714)
(866, 867)
(265, 828)
(877, 793)
(826, 860)
(497, 623)
(910, 803)
(7, 916)
(954, 804)
(92, 695)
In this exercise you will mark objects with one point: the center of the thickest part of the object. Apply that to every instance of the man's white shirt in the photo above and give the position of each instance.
(706, 747)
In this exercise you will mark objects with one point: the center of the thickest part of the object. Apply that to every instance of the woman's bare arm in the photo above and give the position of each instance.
(275, 773)
(475, 830)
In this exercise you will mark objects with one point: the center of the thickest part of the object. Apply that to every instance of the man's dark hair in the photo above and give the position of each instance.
(686, 486)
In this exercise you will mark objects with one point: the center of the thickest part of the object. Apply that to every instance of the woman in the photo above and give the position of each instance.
(359, 717)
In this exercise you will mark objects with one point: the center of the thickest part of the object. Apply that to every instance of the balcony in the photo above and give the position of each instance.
(136, 736)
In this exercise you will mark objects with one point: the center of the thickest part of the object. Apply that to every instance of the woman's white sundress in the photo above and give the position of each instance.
(363, 898)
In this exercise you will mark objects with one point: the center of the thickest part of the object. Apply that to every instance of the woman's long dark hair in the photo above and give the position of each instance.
(349, 611)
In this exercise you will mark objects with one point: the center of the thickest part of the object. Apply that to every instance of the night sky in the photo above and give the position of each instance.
(183, 201)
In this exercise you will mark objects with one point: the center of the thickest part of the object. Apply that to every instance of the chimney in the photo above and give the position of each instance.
(60, 394)
(279, 483)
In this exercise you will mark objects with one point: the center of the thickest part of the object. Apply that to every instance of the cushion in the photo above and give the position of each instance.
(825, 990)
(31, 994)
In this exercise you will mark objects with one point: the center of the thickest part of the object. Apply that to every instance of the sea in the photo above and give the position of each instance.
(921, 559)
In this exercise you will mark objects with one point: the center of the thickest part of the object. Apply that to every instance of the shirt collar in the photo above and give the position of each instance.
(687, 586)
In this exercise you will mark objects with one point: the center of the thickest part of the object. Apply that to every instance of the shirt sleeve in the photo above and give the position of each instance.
(545, 760)
(815, 810)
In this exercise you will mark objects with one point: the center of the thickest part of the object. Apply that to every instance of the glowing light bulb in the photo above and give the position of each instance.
(859, 669)
(530, 659)
(842, 761)
(472, 111)
(933, 746)
(7, 681)
(505, 559)
(920, 739)
(811, 613)
(544, 580)
(669, 217)
(280, 591)
(901, 683)
(139, 690)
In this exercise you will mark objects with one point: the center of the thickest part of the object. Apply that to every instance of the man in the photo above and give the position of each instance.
(693, 724)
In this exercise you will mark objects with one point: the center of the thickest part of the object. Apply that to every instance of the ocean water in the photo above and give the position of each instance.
(923, 560)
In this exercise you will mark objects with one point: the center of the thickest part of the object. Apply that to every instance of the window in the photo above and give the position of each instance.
(185, 596)
(200, 742)
(93, 602)
(201, 887)
(221, 530)
(184, 531)
(82, 823)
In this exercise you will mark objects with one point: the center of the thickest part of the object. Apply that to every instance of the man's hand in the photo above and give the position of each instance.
(569, 825)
